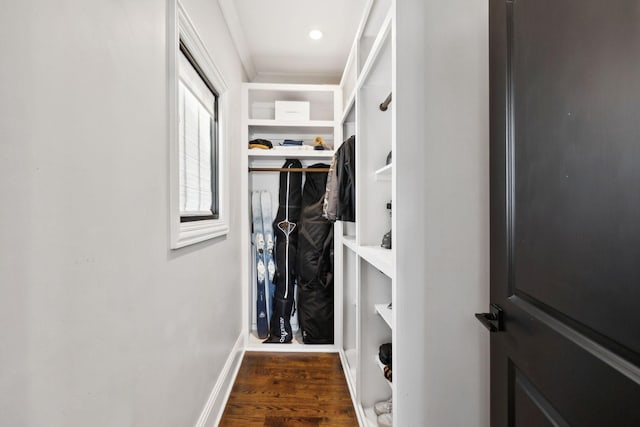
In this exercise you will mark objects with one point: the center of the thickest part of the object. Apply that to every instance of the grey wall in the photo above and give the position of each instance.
(100, 323)
(456, 212)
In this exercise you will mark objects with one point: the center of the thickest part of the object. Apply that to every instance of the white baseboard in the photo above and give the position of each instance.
(212, 412)
(360, 415)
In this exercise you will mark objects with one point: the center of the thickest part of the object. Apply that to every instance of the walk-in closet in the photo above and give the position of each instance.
(194, 185)
(368, 301)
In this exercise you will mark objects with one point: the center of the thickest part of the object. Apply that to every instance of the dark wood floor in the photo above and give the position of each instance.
(290, 389)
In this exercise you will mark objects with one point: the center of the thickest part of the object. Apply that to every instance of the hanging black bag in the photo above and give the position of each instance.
(285, 229)
(315, 263)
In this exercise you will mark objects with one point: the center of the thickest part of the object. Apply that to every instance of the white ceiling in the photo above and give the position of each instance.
(272, 37)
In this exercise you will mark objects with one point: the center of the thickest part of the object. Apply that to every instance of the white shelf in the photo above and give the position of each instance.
(280, 123)
(380, 258)
(385, 313)
(285, 153)
(350, 242)
(381, 366)
(377, 256)
(384, 173)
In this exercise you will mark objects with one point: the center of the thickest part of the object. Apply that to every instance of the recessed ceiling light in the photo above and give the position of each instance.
(315, 34)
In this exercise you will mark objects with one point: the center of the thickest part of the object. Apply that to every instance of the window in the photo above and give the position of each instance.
(198, 141)
(197, 146)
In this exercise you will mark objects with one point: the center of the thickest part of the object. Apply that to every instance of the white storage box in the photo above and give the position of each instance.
(292, 111)
(262, 111)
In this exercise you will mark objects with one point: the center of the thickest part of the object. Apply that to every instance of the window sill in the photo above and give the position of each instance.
(189, 233)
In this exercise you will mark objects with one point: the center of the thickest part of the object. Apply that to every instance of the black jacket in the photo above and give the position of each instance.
(341, 190)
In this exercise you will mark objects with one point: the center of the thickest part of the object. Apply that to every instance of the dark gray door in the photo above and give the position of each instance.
(565, 212)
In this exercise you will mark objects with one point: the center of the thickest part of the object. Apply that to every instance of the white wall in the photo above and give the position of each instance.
(456, 212)
(100, 323)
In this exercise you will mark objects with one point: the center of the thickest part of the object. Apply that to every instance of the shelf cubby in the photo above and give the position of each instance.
(380, 365)
(377, 18)
(374, 288)
(261, 100)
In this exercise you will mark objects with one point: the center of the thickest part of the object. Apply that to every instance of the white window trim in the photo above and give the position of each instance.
(187, 233)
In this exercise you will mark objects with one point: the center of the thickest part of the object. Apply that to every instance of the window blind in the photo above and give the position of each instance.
(196, 105)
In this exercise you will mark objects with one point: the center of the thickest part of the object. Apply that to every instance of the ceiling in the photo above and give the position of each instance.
(272, 37)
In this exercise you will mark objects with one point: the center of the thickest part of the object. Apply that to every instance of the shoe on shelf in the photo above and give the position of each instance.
(383, 407)
(385, 420)
(319, 144)
(387, 373)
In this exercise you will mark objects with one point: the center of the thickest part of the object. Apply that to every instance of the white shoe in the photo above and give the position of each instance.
(385, 420)
(383, 407)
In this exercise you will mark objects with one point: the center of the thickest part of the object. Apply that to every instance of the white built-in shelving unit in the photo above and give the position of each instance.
(369, 273)
(258, 106)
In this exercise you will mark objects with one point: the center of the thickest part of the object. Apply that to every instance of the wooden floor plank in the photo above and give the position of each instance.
(290, 389)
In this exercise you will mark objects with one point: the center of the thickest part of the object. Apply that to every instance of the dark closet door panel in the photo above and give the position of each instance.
(576, 116)
(565, 212)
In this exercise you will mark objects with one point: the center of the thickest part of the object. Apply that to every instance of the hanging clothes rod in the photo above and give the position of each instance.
(385, 105)
(289, 170)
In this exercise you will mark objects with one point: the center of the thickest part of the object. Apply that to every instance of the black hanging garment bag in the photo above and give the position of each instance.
(285, 229)
(315, 263)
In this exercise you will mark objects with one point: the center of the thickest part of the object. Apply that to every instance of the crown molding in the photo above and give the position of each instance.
(234, 25)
